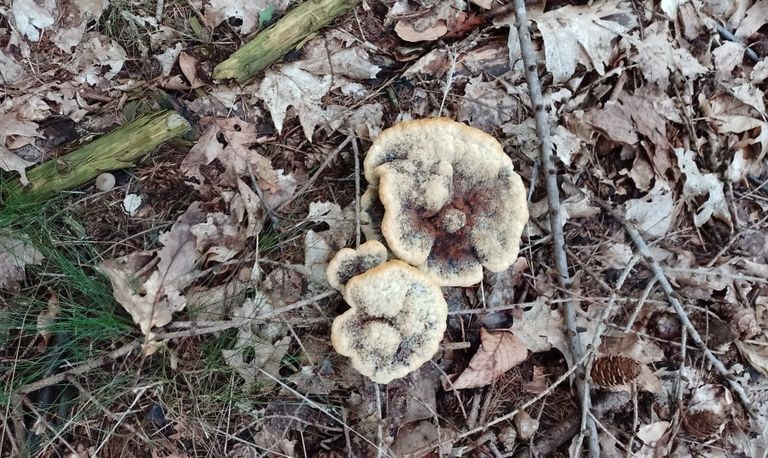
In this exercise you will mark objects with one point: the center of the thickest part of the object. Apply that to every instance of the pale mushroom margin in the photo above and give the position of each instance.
(453, 202)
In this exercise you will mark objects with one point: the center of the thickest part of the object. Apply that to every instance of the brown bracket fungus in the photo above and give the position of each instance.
(452, 200)
(348, 263)
(395, 324)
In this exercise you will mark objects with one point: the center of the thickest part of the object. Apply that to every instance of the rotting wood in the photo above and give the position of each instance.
(118, 149)
(285, 35)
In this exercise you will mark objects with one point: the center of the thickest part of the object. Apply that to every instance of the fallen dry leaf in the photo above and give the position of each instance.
(153, 297)
(15, 253)
(260, 345)
(755, 355)
(582, 35)
(702, 184)
(487, 105)
(653, 214)
(330, 55)
(541, 328)
(234, 152)
(428, 24)
(499, 352)
(658, 57)
(289, 85)
(31, 17)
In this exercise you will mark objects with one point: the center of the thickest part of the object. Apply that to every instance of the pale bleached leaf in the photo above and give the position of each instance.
(499, 352)
(15, 253)
(32, 17)
(290, 86)
(652, 213)
(658, 57)
(582, 35)
(702, 184)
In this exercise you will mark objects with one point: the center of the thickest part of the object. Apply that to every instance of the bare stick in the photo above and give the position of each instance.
(81, 369)
(669, 292)
(555, 214)
(640, 302)
(606, 316)
(357, 192)
(322, 409)
(508, 416)
(322, 167)
(218, 326)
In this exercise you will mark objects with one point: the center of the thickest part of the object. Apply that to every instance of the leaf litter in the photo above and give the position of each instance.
(652, 111)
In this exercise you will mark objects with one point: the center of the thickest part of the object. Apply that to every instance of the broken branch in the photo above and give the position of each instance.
(555, 213)
(285, 35)
(118, 149)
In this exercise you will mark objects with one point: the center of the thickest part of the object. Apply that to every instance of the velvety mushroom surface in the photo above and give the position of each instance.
(348, 263)
(396, 321)
(452, 200)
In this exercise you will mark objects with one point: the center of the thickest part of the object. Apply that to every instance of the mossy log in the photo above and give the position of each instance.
(287, 33)
(118, 149)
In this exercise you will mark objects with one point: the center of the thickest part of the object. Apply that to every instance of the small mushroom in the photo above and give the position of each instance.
(452, 200)
(395, 324)
(348, 263)
(105, 182)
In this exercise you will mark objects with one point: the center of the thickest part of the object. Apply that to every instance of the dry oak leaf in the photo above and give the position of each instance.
(703, 184)
(152, 300)
(653, 214)
(499, 352)
(658, 57)
(234, 153)
(582, 35)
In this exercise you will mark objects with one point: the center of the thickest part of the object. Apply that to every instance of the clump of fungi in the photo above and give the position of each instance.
(397, 316)
(452, 202)
(447, 201)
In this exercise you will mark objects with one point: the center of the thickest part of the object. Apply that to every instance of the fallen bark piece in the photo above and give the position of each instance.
(118, 149)
(286, 34)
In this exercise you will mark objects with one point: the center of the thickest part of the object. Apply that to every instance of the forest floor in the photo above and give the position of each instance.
(184, 310)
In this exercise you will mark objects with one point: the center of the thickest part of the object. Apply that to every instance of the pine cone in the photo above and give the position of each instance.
(613, 370)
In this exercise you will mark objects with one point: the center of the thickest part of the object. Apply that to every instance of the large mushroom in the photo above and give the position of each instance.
(395, 324)
(452, 200)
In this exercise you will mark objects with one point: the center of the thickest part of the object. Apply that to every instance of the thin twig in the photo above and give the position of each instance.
(606, 316)
(725, 33)
(640, 302)
(81, 369)
(509, 415)
(319, 170)
(555, 213)
(321, 409)
(356, 150)
(210, 327)
(669, 292)
(139, 393)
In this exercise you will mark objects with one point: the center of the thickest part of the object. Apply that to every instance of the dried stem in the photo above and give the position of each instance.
(555, 214)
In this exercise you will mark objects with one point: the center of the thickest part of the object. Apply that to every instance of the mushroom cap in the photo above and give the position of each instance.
(105, 181)
(395, 324)
(348, 262)
(453, 202)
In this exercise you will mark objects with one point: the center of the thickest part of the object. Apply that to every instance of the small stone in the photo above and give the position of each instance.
(526, 425)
